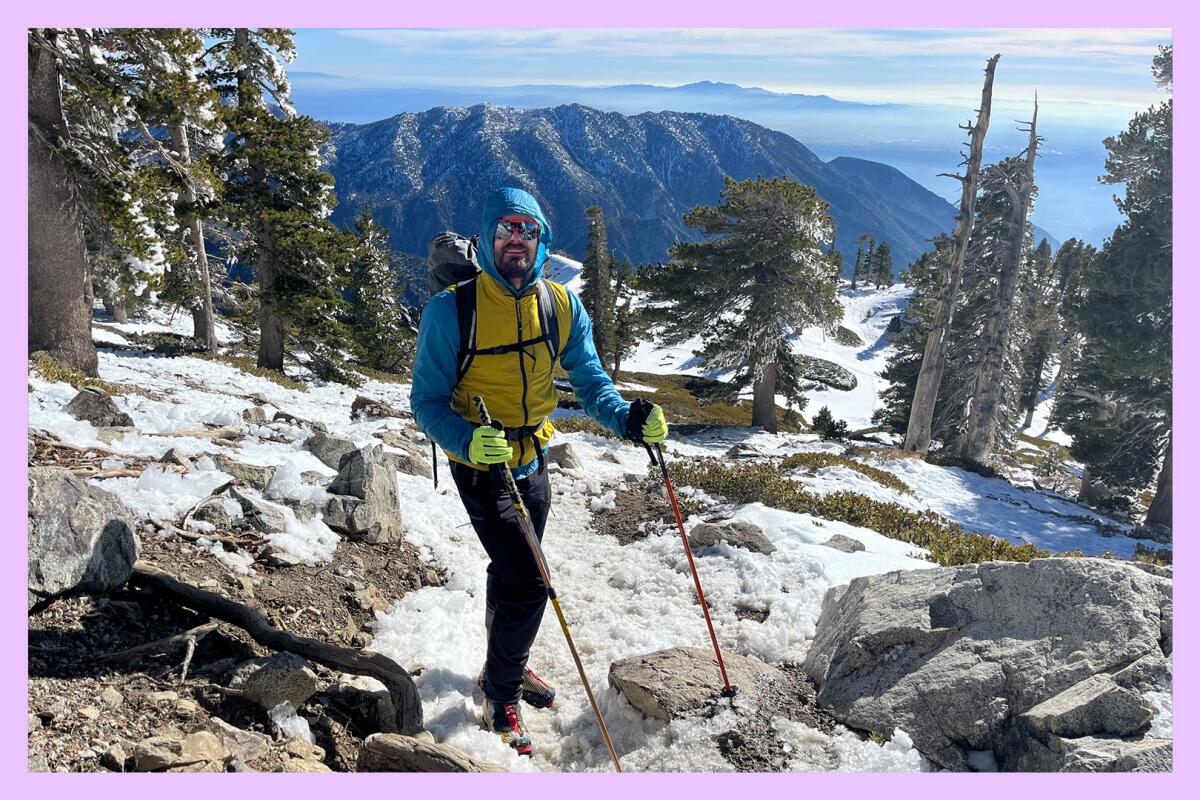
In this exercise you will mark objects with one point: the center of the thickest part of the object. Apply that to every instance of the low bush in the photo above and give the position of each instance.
(947, 542)
(821, 460)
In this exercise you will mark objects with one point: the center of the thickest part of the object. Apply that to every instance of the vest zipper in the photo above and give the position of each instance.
(524, 380)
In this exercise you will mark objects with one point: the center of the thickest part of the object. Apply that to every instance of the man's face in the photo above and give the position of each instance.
(514, 256)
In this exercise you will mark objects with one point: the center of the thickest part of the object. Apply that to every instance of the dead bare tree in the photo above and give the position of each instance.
(920, 418)
(985, 400)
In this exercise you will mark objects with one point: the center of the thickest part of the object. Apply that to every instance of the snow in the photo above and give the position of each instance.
(620, 601)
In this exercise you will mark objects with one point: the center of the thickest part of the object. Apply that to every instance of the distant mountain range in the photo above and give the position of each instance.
(429, 171)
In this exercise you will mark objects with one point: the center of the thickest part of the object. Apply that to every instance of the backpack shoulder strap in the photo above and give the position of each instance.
(548, 311)
(464, 304)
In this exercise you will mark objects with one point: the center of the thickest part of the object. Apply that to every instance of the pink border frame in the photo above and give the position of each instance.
(606, 13)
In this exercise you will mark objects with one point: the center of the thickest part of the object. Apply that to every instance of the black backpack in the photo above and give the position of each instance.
(453, 265)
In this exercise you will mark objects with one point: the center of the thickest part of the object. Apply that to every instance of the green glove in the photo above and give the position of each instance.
(655, 428)
(488, 446)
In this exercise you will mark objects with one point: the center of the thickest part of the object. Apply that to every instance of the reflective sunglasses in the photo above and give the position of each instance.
(528, 230)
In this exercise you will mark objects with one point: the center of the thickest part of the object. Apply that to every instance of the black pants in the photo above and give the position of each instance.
(516, 594)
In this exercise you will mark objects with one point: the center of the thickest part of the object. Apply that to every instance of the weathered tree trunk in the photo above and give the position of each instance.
(763, 413)
(980, 436)
(1159, 512)
(1028, 417)
(203, 327)
(115, 308)
(920, 418)
(59, 321)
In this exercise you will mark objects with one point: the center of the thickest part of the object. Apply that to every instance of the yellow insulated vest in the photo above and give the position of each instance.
(516, 385)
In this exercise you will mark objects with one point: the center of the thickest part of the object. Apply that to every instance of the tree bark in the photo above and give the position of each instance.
(203, 327)
(763, 413)
(1159, 512)
(980, 436)
(60, 322)
(920, 418)
(400, 686)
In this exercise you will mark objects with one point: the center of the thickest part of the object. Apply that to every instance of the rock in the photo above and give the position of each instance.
(304, 765)
(214, 513)
(742, 450)
(35, 723)
(114, 758)
(564, 455)
(746, 535)
(955, 656)
(37, 762)
(250, 474)
(328, 449)
(610, 456)
(1147, 674)
(90, 712)
(411, 463)
(844, 543)
(392, 752)
(80, 537)
(369, 599)
(187, 705)
(173, 456)
(162, 697)
(111, 697)
(401, 440)
(241, 744)
(366, 408)
(1096, 754)
(367, 475)
(284, 677)
(115, 433)
(668, 683)
(1095, 705)
(255, 415)
(298, 748)
(259, 514)
(283, 416)
(94, 406)
(155, 753)
(203, 746)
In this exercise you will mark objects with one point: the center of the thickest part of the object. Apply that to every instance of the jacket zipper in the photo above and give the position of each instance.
(524, 381)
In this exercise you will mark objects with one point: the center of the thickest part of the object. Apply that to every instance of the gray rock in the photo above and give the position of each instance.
(844, 543)
(668, 683)
(114, 433)
(38, 762)
(283, 416)
(329, 449)
(173, 456)
(1149, 673)
(357, 520)
(401, 441)
(214, 513)
(241, 744)
(284, 677)
(155, 753)
(1095, 705)
(564, 455)
(111, 697)
(94, 406)
(114, 757)
(256, 476)
(368, 475)
(80, 537)
(954, 656)
(411, 463)
(746, 535)
(264, 517)
(1099, 754)
(392, 752)
(255, 415)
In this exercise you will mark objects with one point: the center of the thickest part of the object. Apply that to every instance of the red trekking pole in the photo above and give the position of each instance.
(729, 690)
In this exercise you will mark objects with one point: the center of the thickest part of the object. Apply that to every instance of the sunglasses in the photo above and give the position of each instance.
(528, 230)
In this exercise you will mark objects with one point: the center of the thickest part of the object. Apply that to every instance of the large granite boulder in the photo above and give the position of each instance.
(366, 502)
(745, 535)
(94, 406)
(668, 683)
(80, 537)
(1027, 660)
(329, 449)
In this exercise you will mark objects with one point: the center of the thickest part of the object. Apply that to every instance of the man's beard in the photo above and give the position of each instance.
(514, 266)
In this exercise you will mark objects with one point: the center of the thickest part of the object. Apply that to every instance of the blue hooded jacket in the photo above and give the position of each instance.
(435, 370)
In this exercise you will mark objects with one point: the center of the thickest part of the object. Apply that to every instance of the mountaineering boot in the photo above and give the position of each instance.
(535, 691)
(504, 720)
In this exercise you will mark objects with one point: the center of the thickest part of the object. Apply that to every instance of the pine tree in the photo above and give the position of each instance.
(881, 265)
(279, 200)
(377, 324)
(859, 260)
(760, 276)
(1039, 315)
(908, 333)
(596, 292)
(628, 325)
(1115, 401)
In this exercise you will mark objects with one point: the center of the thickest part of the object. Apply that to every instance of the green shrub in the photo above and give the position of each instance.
(821, 460)
(948, 543)
(844, 336)
(829, 428)
(50, 369)
(577, 423)
(381, 375)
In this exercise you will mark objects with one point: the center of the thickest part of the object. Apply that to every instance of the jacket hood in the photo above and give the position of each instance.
(501, 203)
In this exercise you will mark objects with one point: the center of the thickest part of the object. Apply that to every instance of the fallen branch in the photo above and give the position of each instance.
(211, 495)
(357, 662)
(161, 645)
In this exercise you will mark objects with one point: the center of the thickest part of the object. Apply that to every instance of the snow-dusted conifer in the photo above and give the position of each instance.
(596, 292)
(377, 324)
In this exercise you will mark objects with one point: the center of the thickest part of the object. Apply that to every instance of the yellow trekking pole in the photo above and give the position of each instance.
(536, 548)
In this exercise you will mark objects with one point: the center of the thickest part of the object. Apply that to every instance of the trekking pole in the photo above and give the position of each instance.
(729, 690)
(536, 548)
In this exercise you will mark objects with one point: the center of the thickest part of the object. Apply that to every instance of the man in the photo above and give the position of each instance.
(509, 365)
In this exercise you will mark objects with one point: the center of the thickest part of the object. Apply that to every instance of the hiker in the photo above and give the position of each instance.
(498, 335)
